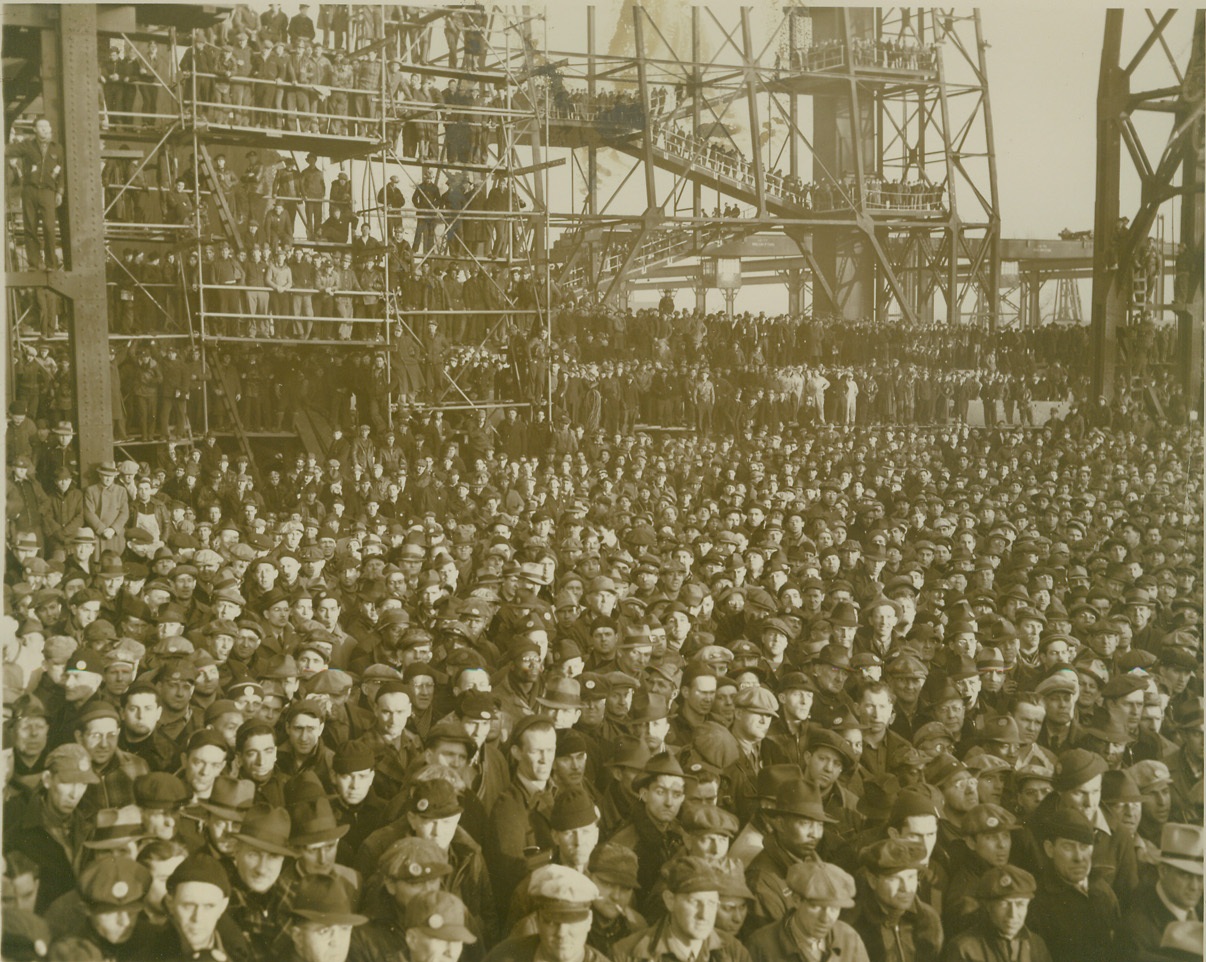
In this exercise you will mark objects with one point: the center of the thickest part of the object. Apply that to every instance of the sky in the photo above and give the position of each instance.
(1043, 61)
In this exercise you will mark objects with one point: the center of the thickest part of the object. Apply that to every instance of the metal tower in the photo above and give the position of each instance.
(863, 134)
(1161, 127)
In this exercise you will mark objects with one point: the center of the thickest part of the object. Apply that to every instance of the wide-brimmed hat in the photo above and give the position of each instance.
(266, 828)
(324, 899)
(313, 821)
(561, 693)
(663, 763)
(230, 797)
(800, 799)
(1183, 847)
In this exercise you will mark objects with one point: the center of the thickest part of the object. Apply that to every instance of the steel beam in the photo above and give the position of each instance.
(1113, 88)
(85, 277)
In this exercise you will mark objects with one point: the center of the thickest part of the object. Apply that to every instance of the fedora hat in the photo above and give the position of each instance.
(663, 763)
(800, 799)
(1183, 846)
(84, 535)
(324, 899)
(647, 707)
(115, 827)
(267, 828)
(313, 821)
(561, 693)
(108, 469)
(230, 797)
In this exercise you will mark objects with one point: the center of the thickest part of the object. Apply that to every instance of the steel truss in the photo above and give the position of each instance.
(896, 96)
(177, 129)
(1167, 160)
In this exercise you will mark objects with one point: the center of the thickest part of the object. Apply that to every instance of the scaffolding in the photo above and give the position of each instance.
(890, 196)
(195, 150)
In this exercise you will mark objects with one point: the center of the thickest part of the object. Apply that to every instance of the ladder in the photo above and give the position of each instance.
(230, 388)
(229, 225)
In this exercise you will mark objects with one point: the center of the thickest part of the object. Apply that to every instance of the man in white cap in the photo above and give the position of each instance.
(562, 897)
(1175, 895)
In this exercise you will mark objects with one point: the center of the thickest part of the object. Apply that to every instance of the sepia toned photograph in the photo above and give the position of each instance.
(615, 481)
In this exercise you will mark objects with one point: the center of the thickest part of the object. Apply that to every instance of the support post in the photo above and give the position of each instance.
(1109, 305)
(85, 277)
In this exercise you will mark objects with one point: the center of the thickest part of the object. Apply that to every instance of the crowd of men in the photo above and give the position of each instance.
(513, 689)
(824, 673)
(608, 370)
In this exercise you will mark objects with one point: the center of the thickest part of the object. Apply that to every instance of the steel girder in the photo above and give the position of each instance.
(933, 124)
(1176, 172)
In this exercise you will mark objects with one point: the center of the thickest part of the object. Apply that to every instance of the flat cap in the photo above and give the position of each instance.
(891, 855)
(699, 818)
(562, 893)
(686, 874)
(1077, 766)
(817, 881)
(1004, 882)
(758, 700)
(1070, 824)
(70, 763)
(987, 817)
(114, 882)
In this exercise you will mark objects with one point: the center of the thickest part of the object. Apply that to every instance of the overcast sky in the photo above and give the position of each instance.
(1043, 63)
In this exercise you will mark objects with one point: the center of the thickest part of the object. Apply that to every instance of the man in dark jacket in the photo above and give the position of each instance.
(894, 924)
(999, 932)
(1076, 914)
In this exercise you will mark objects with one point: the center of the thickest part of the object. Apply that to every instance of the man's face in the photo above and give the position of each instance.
(78, 686)
(258, 870)
(195, 908)
(992, 847)
(1059, 706)
(63, 796)
(1007, 916)
(30, 735)
(303, 732)
(319, 942)
(117, 925)
(1030, 721)
(875, 711)
(1157, 803)
(692, 915)
(561, 940)
(202, 766)
(1128, 710)
(959, 792)
(1084, 798)
(1183, 889)
(258, 757)
(663, 797)
(896, 891)
(799, 835)
(99, 739)
(816, 919)
(534, 755)
(1070, 859)
(823, 767)
(438, 830)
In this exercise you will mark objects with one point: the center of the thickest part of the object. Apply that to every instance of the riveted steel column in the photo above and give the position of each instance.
(84, 280)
